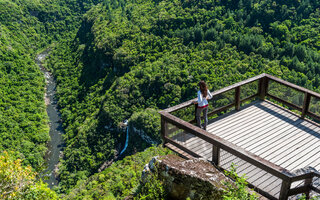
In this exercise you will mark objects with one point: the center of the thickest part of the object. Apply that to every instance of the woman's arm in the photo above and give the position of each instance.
(199, 97)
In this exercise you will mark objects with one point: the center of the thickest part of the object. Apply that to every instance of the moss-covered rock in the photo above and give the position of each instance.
(196, 178)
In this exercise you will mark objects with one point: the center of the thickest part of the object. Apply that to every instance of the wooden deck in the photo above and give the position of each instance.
(271, 145)
(268, 131)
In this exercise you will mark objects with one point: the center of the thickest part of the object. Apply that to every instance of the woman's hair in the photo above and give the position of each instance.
(203, 88)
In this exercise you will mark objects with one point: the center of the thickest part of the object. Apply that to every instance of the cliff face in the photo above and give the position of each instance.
(196, 178)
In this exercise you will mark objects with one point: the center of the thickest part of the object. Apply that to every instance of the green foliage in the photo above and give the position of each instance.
(303, 197)
(26, 28)
(118, 58)
(152, 189)
(147, 121)
(119, 180)
(23, 121)
(19, 182)
(132, 55)
(238, 189)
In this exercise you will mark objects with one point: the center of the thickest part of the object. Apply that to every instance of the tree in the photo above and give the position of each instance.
(19, 182)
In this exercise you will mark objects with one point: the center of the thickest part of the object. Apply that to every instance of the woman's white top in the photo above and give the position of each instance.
(202, 102)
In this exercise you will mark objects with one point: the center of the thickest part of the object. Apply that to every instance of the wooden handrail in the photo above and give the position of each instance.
(300, 177)
(307, 97)
(262, 92)
(228, 146)
(291, 105)
(293, 86)
(215, 93)
(265, 79)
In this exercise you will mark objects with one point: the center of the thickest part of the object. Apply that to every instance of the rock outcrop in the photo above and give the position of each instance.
(144, 136)
(196, 178)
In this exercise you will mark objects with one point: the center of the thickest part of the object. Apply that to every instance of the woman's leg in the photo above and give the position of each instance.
(205, 116)
(198, 116)
(195, 111)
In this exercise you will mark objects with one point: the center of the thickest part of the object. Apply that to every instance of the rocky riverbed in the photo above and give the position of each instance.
(55, 145)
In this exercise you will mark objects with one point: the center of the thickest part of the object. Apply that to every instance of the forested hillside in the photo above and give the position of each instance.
(26, 28)
(132, 55)
(125, 59)
(23, 121)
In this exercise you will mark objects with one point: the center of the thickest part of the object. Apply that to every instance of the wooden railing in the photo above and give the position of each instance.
(219, 143)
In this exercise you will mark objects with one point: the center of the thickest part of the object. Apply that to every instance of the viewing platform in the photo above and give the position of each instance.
(266, 126)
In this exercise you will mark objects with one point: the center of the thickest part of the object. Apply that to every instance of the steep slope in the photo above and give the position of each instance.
(120, 180)
(23, 121)
(26, 28)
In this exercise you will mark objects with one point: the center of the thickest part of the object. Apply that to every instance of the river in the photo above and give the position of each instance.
(55, 145)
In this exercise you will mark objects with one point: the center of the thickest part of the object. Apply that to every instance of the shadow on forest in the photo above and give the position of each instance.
(97, 63)
(108, 140)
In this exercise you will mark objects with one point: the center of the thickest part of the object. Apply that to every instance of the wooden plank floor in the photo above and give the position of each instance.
(268, 131)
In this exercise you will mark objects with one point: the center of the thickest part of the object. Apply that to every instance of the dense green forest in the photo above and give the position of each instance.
(132, 55)
(26, 28)
(23, 121)
(116, 60)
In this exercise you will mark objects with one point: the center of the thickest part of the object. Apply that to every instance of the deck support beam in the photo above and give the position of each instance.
(306, 104)
(308, 183)
(164, 129)
(237, 98)
(285, 188)
(263, 87)
(215, 155)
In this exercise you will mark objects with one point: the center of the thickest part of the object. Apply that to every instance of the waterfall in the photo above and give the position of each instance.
(127, 138)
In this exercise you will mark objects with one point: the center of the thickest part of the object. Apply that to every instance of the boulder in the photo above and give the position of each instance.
(195, 178)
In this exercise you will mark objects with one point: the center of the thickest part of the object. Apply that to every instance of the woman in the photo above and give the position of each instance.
(203, 96)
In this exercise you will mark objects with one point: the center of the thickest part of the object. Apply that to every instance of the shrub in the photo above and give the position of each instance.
(152, 189)
(238, 190)
(147, 121)
(19, 182)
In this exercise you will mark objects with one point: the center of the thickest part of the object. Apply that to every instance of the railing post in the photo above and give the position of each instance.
(237, 98)
(164, 129)
(306, 103)
(308, 183)
(195, 112)
(216, 155)
(263, 87)
(285, 187)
